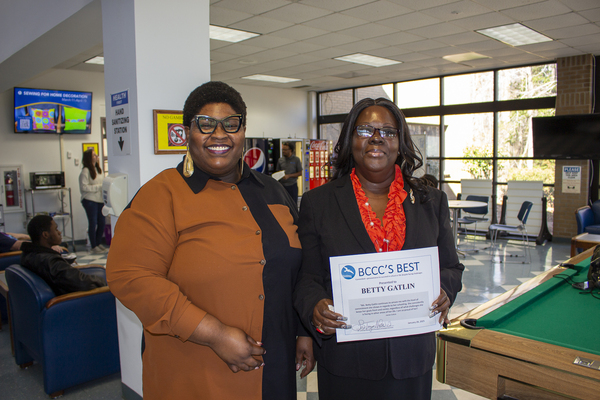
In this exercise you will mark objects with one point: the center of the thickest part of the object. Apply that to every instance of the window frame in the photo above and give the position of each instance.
(495, 106)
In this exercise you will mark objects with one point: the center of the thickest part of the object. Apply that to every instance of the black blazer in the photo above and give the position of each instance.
(330, 225)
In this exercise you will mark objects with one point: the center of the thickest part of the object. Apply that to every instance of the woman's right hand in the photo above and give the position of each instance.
(237, 349)
(325, 320)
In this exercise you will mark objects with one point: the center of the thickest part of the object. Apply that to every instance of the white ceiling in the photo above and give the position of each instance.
(300, 38)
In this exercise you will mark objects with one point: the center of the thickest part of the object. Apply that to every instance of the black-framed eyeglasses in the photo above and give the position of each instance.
(368, 131)
(208, 125)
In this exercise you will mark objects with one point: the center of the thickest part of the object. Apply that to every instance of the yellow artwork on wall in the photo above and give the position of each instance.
(87, 146)
(169, 134)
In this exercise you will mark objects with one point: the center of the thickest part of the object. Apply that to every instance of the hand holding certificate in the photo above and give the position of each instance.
(386, 294)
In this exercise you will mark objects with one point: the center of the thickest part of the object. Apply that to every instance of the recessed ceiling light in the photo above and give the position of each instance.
(95, 60)
(458, 58)
(270, 78)
(366, 59)
(230, 35)
(515, 35)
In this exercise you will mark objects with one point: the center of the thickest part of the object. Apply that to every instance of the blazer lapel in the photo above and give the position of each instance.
(344, 194)
(411, 214)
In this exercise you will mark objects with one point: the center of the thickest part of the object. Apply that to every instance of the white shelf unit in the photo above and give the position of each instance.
(61, 212)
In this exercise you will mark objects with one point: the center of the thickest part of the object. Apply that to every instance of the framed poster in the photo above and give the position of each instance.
(87, 146)
(169, 133)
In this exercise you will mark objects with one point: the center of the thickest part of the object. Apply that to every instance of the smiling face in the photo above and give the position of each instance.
(374, 157)
(219, 153)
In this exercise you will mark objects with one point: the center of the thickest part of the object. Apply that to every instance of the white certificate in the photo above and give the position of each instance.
(386, 294)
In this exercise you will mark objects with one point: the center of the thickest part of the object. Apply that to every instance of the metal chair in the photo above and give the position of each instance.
(514, 229)
(474, 215)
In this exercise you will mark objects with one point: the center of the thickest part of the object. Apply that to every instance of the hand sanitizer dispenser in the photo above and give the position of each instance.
(114, 194)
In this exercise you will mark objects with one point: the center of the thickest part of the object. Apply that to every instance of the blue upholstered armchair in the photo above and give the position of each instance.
(10, 258)
(588, 219)
(6, 259)
(73, 336)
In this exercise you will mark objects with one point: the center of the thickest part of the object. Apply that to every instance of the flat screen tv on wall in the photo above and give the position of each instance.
(575, 136)
(52, 111)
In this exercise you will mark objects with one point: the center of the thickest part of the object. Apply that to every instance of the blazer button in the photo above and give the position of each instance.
(263, 262)
(258, 232)
(232, 187)
(261, 297)
(244, 208)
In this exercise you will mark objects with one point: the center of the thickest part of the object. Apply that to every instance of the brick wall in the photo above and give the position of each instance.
(574, 96)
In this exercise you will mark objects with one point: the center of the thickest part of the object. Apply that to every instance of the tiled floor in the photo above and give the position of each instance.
(482, 281)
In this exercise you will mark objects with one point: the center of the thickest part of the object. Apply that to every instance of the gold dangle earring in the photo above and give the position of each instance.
(242, 162)
(188, 164)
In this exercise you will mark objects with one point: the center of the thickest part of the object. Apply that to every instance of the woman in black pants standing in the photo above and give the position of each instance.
(90, 186)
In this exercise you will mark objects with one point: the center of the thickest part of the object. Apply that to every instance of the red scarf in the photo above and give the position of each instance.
(390, 236)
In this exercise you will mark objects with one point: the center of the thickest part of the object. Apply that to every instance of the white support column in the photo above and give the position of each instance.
(157, 52)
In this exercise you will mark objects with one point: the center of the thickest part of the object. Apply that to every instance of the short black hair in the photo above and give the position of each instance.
(212, 92)
(38, 225)
(291, 146)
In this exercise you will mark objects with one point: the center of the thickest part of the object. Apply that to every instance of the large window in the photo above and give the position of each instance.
(471, 126)
(527, 82)
(469, 88)
(374, 92)
(421, 93)
(338, 102)
(430, 127)
(476, 134)
(331, 132)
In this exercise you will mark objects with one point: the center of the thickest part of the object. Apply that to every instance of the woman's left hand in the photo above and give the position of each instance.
(304, 355)
(441, 306)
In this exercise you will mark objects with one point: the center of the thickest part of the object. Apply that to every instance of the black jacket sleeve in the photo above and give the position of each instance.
(68, 279)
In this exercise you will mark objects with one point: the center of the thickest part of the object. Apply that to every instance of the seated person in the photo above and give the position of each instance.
(39, 257)
(430, 180)
(13, 241)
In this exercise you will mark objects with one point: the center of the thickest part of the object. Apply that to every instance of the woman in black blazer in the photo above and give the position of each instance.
(372, 204)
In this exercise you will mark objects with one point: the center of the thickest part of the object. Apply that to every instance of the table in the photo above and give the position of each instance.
(456, 205)
(583, 241)
(534, 333)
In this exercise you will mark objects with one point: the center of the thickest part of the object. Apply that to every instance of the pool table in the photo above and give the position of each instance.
(540, 340)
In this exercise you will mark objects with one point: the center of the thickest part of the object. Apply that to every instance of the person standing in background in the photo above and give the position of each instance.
(292, 166)
(90, 186)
